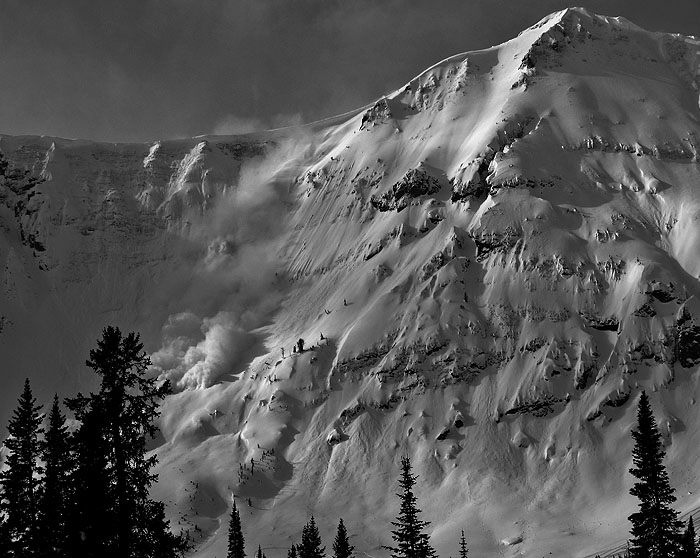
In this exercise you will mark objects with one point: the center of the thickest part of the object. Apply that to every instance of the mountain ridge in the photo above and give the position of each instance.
(494, 258)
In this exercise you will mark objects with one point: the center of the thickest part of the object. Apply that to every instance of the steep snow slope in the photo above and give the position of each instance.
(487, 266)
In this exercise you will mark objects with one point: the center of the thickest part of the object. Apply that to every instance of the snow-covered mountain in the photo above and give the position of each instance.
(487, 266)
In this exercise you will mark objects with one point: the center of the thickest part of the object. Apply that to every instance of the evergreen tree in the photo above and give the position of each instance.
(56, 489)
(116, 421)
(259, 553)
(310, 546)
(655, 527)
(689, 541)
(236, 543)
(410, 540)
(463, 552)
(91, 518)
(341, 545)
(20, 483)
(292, 552)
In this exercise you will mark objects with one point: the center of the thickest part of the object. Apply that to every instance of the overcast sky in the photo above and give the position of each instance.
(139, 70)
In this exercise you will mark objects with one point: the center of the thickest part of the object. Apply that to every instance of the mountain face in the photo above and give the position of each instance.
(486, 266)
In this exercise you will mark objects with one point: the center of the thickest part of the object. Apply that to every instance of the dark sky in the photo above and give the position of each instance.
(138, 70)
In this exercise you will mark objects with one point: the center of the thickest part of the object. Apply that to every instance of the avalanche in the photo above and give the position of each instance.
(486, 265)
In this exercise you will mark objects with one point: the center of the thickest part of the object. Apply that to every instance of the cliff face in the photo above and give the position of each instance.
(486, 266)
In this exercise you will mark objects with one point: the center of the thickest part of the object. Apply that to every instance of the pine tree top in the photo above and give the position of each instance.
(236, 542)
(411, 541)
(20, 479)
(647, 457)
(24, 428)
(655, 527)
(56, 446)
(310, 546)
(463, 552)
(341, 545)
(57, 427)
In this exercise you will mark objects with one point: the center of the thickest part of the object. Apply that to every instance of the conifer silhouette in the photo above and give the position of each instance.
(463, 552)
(411, 541)
(111, 455)
(20, 482)
(689, 541)
(341, 545)
(236, 543)
(56, 490)
(310, 546)
(655, 527)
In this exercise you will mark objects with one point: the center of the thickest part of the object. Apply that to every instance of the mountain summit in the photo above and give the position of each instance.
(481, 270)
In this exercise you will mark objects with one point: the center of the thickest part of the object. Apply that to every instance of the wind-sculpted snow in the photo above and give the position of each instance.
(485, 266)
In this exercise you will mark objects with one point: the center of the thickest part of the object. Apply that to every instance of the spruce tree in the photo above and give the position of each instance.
(292, 552)
(463, 552)
(259, 553)
(20, 482)
(236, 543)
(411, 541)
(56, 488)
(310, 546)
(91, 519)
(689, 541)
(655, 527)
(341, 545)
(117, 420)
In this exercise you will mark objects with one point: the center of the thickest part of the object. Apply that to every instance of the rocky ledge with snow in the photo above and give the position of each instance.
(486, 265)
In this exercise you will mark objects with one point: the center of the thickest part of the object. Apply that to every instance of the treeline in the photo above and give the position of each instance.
(656, 530)
(309, 547)
(410, 538)
(85, 493)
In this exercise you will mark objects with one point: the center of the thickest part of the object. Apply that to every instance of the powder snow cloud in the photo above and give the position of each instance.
(238, 280)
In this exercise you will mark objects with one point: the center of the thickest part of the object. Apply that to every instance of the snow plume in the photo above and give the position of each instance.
(238, 279)
(234, 292)
(198, 350)
(231, 124)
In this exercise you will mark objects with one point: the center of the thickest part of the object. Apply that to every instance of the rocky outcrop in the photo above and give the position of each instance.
(19, 192)
(378, 113)
(414, 184)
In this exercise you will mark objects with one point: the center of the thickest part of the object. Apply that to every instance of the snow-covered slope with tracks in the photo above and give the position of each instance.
(486, 266)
